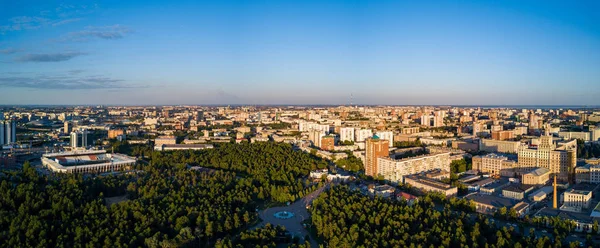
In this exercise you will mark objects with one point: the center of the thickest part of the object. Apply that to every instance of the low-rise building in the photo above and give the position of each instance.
(588, 173)
(537, 176)
(172, 147)
(410, 199)
(382, 190)
(165, 140)
(489, 204)
(494, 187)
(501, 146)
(430, 185)
(576, 200)
(541, 193)
(503, 135)
(516, 191)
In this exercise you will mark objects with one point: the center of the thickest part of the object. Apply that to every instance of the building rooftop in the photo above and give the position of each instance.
(580, 192)
(483, 182)
(519, 188)
(188, 145)
(578, 216)
(539, 171)
(521, 206)
(491, 200)
(497, 184)
(430, 182)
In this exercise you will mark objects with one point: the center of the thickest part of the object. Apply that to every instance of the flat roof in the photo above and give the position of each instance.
(492, 200)
(581, 192)
(518, 188)
(188, 145)
(581, 217)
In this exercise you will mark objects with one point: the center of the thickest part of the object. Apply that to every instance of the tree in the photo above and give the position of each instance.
(458, 166)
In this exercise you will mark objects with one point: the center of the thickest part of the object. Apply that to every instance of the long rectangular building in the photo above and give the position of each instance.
(501, 146)
(430, 185)
(395, 170)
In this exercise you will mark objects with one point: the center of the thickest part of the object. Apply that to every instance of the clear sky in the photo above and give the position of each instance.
(466, 52)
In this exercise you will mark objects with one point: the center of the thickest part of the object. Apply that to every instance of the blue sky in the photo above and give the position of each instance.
(300, 52)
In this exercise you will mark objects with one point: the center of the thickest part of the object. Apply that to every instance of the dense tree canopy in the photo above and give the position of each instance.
(351, 163)
(169, 205)
(344, 218)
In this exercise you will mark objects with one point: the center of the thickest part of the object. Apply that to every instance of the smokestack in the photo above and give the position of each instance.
(555, 201)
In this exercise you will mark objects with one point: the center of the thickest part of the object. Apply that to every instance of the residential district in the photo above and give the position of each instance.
(529, 162)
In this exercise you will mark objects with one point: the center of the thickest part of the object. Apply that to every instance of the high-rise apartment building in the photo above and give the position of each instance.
(533, 121)
(375, 148)
(67, 127)
(347, 134)
(438, 118)
(426, 120)
(2, 132)
(362, 134)
(327, 143)
(386, 135)
(11, 131)
(8, 131)
(79, 138)
(478, 128)
(315, 137)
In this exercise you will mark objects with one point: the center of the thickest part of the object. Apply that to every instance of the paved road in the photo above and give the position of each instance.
(294, 224)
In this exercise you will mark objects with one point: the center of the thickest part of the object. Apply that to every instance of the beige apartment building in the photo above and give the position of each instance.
(395, 170)
(503, 135)
(165, 140)
(560, 161)
(493, 164)
(410, 130)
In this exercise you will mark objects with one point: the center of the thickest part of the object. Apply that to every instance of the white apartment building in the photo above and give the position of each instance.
(585, 136)
(362, 134)
(386, 135)
(308, 126)
(395, 170)
(347, 134)
(426, 120)
(438, 120)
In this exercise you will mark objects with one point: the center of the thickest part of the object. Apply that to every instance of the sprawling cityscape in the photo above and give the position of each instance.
(533, 173)
(331, 123)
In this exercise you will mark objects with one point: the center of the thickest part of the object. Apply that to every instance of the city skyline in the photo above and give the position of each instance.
(284, 53)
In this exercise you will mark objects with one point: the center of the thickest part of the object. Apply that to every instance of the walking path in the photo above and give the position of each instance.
(293, 224)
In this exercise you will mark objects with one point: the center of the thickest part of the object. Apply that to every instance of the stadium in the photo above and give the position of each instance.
(86, 161)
